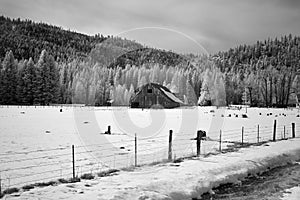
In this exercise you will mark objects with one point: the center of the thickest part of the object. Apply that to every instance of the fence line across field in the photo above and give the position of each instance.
(75, 161)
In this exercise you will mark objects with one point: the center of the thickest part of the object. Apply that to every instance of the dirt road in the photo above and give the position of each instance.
(268, 186)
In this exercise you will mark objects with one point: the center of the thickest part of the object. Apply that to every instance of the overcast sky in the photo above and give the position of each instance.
(179, 24)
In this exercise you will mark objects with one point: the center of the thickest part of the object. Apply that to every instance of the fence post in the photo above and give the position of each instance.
(0, 186)
(198, 142)
(170, 145)
(73, 161)
(284, 132)
(135, 150)
(108, 130)
(220, 142)
(293, 130)
(274, 131)
(242, 135)
(258, 133)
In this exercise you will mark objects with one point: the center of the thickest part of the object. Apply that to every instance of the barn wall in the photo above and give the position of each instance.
(147, 100)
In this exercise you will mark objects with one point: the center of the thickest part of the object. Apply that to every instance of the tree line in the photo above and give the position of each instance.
(29, 83)
(75, 68)
(263, 74)
(46, 82)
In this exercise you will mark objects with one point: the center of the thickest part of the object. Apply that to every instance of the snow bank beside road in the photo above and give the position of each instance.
(292, 194)
(185, 180)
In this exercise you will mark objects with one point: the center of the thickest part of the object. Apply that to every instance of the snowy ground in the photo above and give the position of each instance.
(292, 194)
(185, 180)
(36, 141)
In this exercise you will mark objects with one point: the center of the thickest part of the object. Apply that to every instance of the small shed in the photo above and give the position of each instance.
(154, 95)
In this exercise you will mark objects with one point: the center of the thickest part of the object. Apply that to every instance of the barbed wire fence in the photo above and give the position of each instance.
(29, 169)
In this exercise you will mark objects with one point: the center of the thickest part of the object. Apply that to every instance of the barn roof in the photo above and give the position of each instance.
(171, 96)
(164, 90)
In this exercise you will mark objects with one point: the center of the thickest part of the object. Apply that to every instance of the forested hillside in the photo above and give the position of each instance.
(27, 39)
(44, 64)
(262, 74)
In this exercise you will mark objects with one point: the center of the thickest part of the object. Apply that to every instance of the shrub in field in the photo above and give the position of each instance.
(71, 180)
(44, 184)
(87, 176)
(62, 180)
(28, 187)
(10, 191)
(74, 180)
(178, 160)
(107, 173)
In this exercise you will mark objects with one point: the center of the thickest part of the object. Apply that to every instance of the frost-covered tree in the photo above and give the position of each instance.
(213, 88)
(190, 94)
(219, 95)
(205, 97)
(142, 81)
(84, 84)
(155, 74)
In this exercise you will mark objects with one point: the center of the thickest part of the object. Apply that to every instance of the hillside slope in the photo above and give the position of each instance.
(139, 57)
(27, 39)
(284, 51)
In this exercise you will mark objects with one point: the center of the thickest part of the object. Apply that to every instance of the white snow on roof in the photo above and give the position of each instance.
(171, 96)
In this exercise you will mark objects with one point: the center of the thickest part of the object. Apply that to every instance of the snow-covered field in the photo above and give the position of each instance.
(178, 181)
(36, 141)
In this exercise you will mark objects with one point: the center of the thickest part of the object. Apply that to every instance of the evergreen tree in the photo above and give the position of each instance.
(20, 82)
(205, 97)
(30, 84)
(1, 83)
(47, 79)
(9, 77)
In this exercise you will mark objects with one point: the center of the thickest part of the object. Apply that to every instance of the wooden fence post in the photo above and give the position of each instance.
(274, 131)
(108, 130)
(73, 161)
(170, 145)
(258, 133)
(0, 186)
(135, 150)
(242, 135)
(220, 142)
(198, 142)
(293, 130)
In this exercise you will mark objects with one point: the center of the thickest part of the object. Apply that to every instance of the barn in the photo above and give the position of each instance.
(154, 95)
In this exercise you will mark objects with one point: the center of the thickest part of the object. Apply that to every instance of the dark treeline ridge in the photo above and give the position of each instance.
(142, 56)
(263, 74)
(27, 39)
